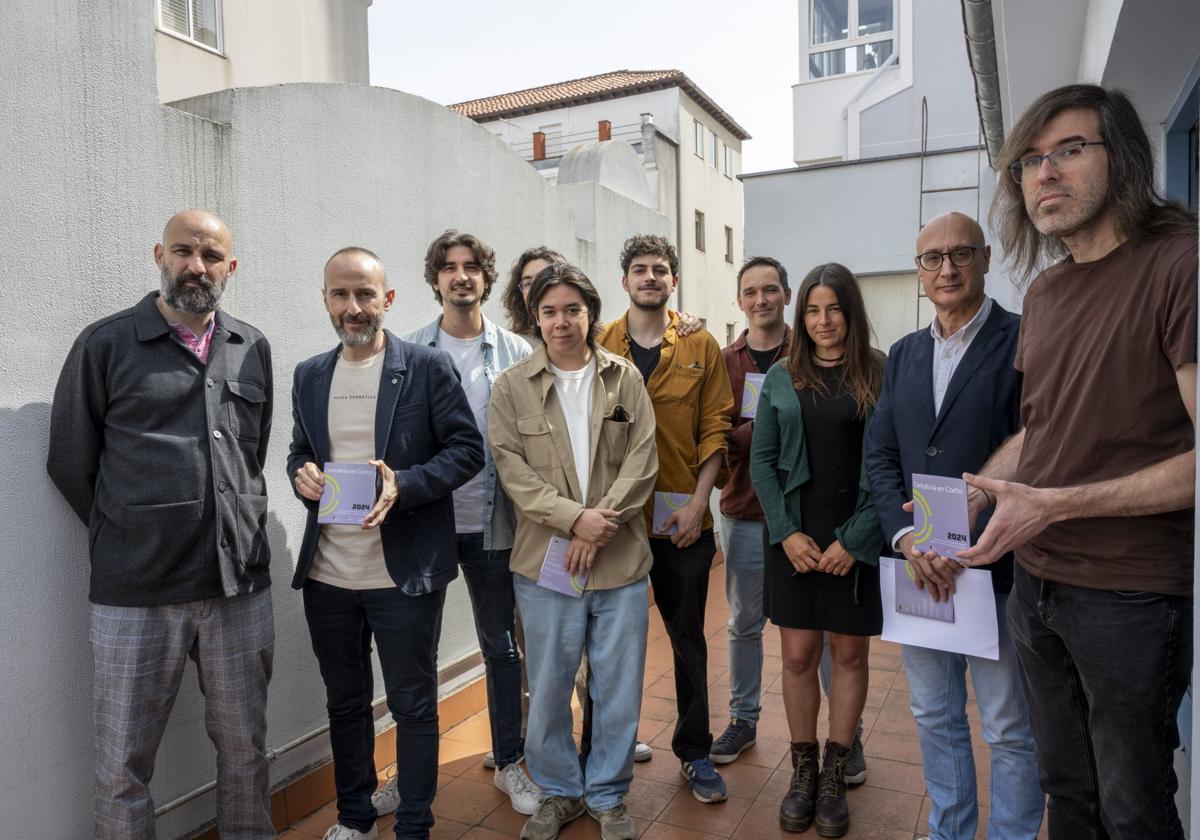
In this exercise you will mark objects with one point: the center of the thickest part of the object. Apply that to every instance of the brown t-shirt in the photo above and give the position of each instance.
(1100, 343)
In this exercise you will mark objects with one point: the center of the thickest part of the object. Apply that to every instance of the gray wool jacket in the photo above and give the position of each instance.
(162, 457)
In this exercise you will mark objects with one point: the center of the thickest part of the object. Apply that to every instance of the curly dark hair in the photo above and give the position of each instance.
(644, 244)
(435, 258)
(519, 319)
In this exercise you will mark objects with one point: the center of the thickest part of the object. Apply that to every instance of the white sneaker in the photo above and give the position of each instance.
(642, 752)
(521, 790)
(341, 832)
(387, 798)
(489, 760)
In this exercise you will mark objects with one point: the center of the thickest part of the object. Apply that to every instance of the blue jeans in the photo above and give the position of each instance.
(1104, 672)
(742, 545)
(938, 697)
(612, 624)
(490, 586)
(406, 628)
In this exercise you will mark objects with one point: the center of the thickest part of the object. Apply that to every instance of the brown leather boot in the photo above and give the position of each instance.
(796, 809)
(832, 814)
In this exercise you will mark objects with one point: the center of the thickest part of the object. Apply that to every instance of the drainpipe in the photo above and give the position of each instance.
(980, 31)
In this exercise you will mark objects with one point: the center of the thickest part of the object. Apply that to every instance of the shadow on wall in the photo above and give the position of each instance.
(43, 611)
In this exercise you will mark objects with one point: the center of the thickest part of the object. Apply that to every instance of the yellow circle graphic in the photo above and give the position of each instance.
(925, 531)
(334, 496)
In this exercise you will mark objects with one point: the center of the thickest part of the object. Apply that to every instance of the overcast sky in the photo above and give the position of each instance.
(744, 55)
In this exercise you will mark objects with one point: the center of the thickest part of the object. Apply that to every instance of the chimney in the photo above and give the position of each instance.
(539, 145)
(604, 130)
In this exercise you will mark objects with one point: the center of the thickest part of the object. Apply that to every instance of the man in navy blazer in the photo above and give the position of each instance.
(950, 398)
(400, 408)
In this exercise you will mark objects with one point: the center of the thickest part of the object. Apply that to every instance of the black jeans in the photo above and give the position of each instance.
(680, 580)
(406, 628)
(1104, 673)
(490, 586)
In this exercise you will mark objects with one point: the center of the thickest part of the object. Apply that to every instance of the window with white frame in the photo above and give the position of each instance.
(195, 20)
(728, 244)
(849, 36)
(712, 161)
(698, 144)
(699, 231)
(728, 162)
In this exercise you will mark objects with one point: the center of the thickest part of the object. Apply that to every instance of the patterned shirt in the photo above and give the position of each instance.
(198, 344)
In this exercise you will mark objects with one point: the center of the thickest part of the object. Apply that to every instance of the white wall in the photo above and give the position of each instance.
(93, 166)
(268, 42)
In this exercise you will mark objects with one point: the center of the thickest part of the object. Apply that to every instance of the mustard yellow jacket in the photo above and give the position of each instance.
(527, 433)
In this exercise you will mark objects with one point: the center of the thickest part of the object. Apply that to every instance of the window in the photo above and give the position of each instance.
(728, 244)
(699, 231)
(195, 20)
(728, 162)
(730, 333)
(713, 160)
(699, 139)
(859, 35)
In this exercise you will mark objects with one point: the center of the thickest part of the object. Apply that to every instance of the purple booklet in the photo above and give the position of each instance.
(750, 392)
(349, 494)
(664, 505)
(918, 602)
(940, 514)
(554, 575)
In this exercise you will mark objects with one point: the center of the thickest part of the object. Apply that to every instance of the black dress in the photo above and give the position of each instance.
(849, 604)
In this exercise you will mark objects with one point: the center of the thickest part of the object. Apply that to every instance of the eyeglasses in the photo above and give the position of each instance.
(959, 257)
(1061, 159)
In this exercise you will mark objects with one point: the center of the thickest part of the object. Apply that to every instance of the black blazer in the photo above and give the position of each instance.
(424, 431)
(982, 408)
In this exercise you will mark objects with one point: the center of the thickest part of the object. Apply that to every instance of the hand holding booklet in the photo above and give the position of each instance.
(664, 505)
(554, 575)
(349, 493)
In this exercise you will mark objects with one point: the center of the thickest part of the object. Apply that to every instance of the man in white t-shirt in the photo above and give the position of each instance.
(461, 271)
(399, 407)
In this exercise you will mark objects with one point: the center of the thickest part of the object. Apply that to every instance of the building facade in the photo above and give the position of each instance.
(879, 82)
(689, 148)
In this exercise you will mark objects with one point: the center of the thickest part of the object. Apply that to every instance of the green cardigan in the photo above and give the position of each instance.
(778, 445)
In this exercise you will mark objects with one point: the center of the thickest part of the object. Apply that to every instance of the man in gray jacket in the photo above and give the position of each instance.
(158, 436)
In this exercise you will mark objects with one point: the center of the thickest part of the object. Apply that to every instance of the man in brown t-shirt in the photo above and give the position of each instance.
(1096, 492)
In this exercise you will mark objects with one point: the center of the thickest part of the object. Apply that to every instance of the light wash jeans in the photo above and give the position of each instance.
(612, 624)
(742, 545)
(938, 697)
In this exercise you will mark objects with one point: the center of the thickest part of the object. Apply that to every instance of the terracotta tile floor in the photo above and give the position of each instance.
(891, 806)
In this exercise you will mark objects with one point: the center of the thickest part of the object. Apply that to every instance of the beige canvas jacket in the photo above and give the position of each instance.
(527, 433)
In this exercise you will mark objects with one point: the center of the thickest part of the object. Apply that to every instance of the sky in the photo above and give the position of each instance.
(743, 55)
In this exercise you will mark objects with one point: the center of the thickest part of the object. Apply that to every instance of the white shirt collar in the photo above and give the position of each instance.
(967, 330)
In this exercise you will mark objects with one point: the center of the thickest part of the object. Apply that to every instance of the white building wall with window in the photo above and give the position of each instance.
(203, 46)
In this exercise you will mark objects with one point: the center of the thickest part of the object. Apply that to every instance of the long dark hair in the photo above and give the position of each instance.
(519, 319)
(1139, 209)
(564, 274)
(862, 372)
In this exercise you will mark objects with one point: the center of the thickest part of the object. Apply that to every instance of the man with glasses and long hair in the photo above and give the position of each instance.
(1095, 492)
(950, 398)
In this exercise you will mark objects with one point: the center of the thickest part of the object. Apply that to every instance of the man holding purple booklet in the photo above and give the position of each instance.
(571, 429)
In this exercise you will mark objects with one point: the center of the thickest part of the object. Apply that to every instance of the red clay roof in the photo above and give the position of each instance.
(591, 89)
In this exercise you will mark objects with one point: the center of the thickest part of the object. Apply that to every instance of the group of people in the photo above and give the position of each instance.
(565, 465)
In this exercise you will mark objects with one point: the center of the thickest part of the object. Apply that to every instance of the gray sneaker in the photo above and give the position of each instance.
(341, 832)
(736, 739)
(615, 823)
(387, 798)
(551, 815)
(856, 762)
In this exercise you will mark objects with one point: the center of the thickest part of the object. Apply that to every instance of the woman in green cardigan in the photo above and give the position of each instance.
(823, 538)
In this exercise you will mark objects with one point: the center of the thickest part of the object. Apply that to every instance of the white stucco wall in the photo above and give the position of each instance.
(93, 166)
(268, 42)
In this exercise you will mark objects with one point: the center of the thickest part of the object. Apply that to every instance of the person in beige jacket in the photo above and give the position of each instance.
(571, 429)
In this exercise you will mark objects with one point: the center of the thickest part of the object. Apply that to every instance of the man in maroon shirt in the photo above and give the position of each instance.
(1096, 491)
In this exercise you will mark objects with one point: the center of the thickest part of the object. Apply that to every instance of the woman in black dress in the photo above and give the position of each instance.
(822, 537)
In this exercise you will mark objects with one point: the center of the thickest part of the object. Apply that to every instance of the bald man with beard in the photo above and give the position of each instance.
(158, 435)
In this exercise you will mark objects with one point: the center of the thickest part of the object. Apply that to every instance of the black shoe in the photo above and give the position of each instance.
(832, 813)
(736, 739)
(796, 809)
(856, 764)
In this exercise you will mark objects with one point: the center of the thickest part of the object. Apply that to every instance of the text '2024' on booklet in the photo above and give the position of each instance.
(349, 493)
(554, 575)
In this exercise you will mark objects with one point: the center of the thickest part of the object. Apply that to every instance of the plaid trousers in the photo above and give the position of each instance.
(139, 655)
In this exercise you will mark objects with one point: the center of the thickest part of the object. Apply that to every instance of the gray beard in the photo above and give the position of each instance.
(200, 301)
(358, 339)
